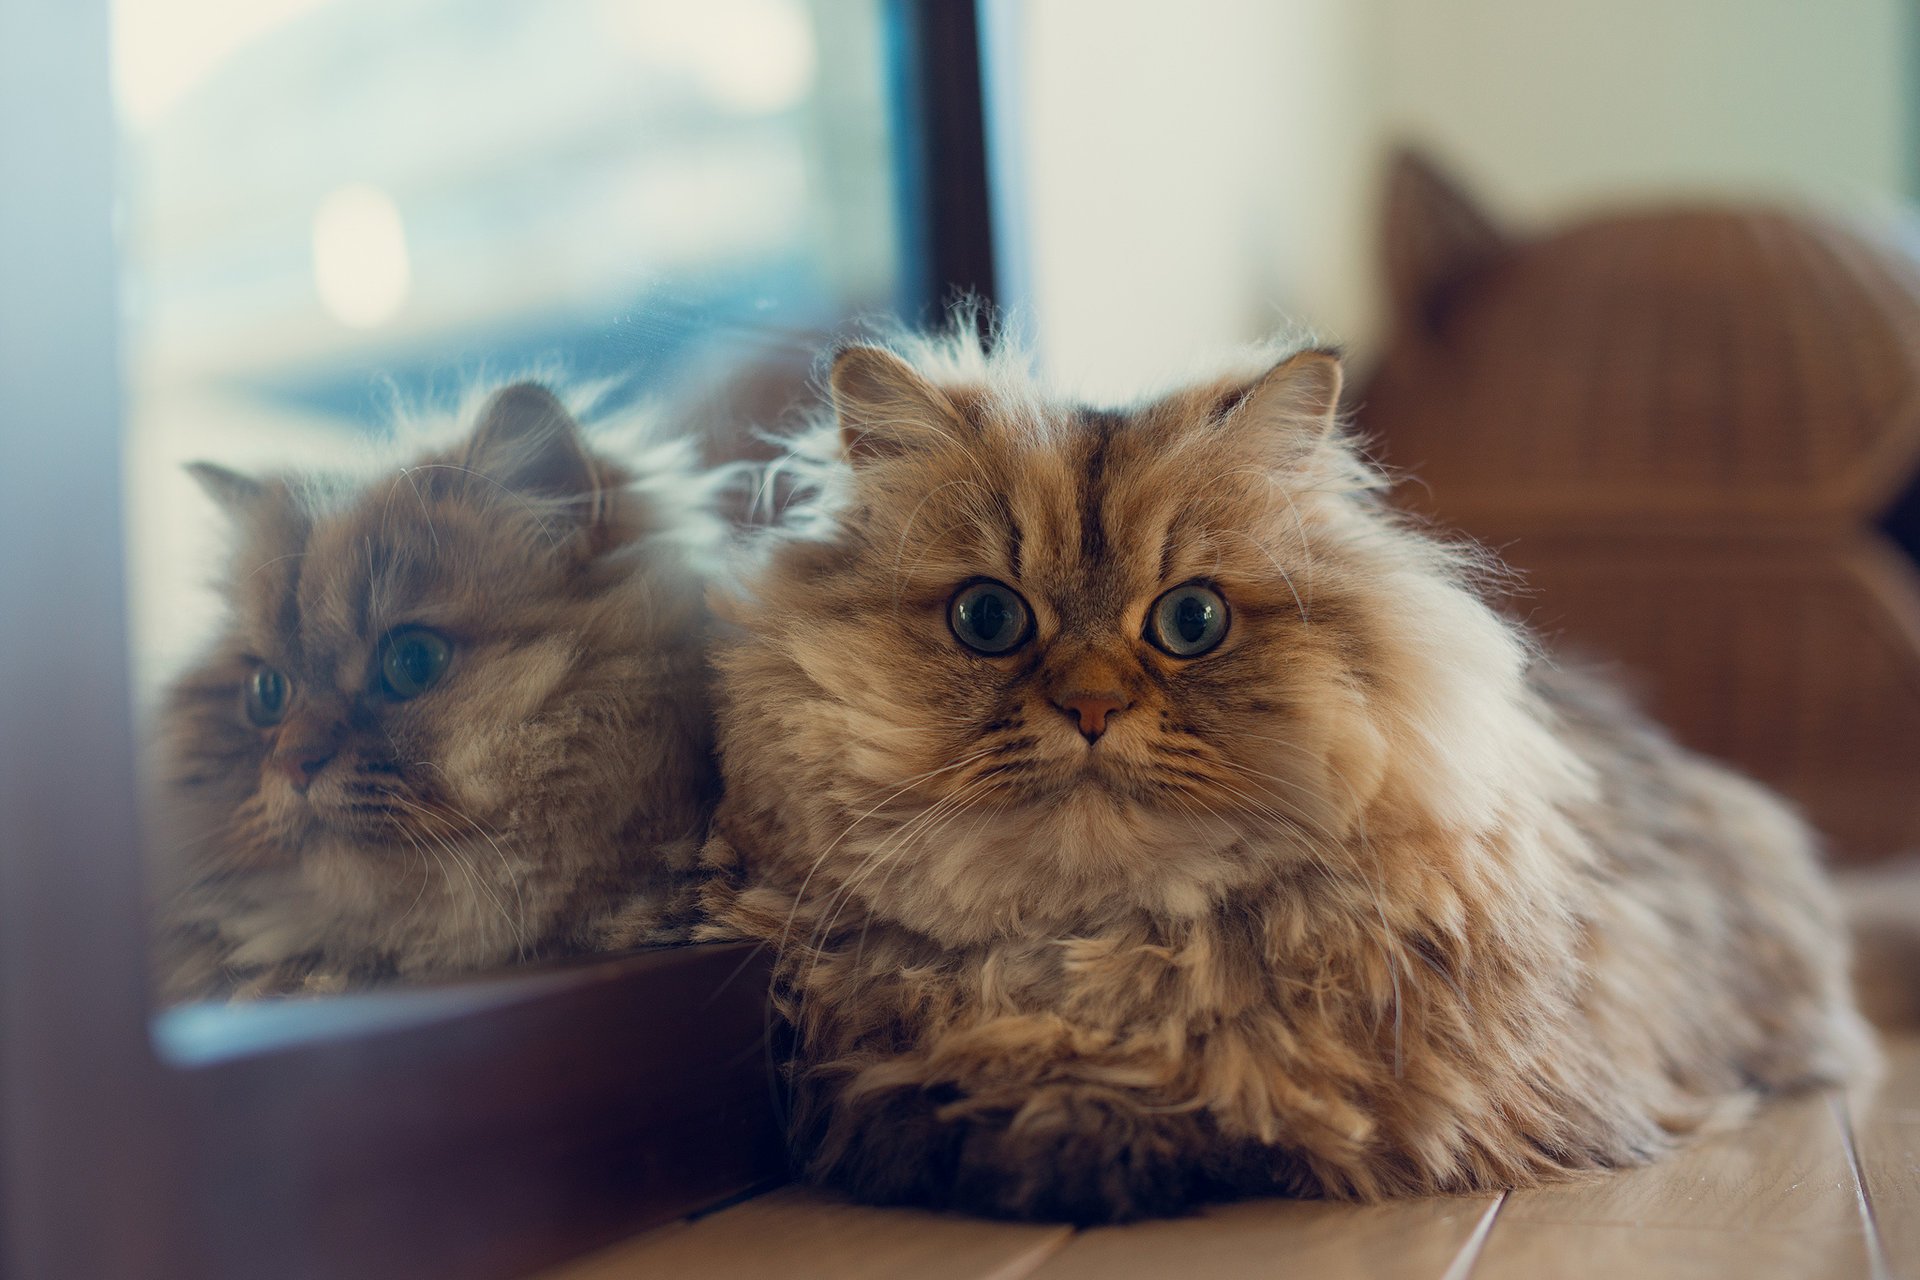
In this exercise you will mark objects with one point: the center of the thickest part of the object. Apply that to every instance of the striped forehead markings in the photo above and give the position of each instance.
(1101, 426)
(288, 614)
(1015, 539)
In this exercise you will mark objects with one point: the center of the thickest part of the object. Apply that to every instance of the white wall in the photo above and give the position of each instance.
(1192, 173)
(1558, 106)
(1168, 150)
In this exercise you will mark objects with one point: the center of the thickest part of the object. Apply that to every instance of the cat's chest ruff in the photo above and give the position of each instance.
(1045, 873)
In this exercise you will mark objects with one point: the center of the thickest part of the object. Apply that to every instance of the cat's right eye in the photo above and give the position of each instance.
(268, 693)
(990, 617)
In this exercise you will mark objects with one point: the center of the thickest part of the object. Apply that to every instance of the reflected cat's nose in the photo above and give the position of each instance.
(301, 766)
(1091, 711)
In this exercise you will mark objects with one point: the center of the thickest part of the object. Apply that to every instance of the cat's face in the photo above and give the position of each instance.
(391, 651)
(1060, 655)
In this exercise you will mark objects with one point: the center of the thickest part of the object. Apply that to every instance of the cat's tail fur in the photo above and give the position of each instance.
(1883, 908)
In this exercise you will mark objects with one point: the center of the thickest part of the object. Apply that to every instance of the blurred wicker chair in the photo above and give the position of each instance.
(1686, 428)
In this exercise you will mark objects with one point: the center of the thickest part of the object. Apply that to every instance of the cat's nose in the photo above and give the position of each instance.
(1091, 711)
(301, 767)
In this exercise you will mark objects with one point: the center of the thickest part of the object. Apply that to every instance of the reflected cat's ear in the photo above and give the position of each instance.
(886, 408)
(236, 494)
(1437, 238)
(1293, 406)
(528, 444)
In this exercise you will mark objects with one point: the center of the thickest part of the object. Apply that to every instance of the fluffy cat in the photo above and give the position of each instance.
(455, 719)
(1140, 812)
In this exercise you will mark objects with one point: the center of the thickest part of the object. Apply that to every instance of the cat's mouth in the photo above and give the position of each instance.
(1182, 787)
(385, 824)
(1091, 772)
(374, 805)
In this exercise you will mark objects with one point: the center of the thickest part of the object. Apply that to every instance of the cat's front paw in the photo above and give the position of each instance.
(1063, 1153)
(1082, 1155)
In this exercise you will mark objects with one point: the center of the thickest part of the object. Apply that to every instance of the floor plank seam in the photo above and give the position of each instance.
(1022, 1267)
(1877, 1261)
(1469, 1256)
(1693, 1228)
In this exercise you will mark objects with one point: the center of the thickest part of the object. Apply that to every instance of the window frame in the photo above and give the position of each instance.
(480, 1130)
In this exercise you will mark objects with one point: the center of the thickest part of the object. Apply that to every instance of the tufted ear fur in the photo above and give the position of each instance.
(527, 443)
(235, 493)
(1437, 238)
(885, 407)
(1291, 408)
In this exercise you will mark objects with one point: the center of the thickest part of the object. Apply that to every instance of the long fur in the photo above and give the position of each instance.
(1372, 900)
(548, 797)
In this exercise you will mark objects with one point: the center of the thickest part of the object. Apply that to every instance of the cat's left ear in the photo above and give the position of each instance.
(1295, 404)
(528, 444)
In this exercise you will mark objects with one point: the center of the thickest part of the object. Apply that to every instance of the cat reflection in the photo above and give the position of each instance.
(454, 719)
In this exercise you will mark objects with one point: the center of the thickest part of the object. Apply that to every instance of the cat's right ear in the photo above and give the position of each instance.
(236, 494)
(885, 407)
(1437, 238)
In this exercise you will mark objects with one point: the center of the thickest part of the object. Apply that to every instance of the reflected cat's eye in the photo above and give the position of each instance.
(268, 693)
(990, 617)
(412, 660)
(1188, 620)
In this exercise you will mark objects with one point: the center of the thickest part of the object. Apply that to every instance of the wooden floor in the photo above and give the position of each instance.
(1815, 1188)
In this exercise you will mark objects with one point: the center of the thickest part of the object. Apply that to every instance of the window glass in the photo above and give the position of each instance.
(336, 209)
(341, 217)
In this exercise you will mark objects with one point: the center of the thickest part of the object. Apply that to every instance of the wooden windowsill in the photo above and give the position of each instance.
(478, 1129)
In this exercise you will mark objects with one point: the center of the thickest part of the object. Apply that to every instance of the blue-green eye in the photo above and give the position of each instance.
(990, 617)
(412, 660)
(268, 692)
(1188, 620)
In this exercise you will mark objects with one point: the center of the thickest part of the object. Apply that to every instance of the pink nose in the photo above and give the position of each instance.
(300, 767)
(1091, 710)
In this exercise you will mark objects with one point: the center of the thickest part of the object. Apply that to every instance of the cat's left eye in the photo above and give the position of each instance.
(412, 660)
(268, 692)
(1188, 620)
